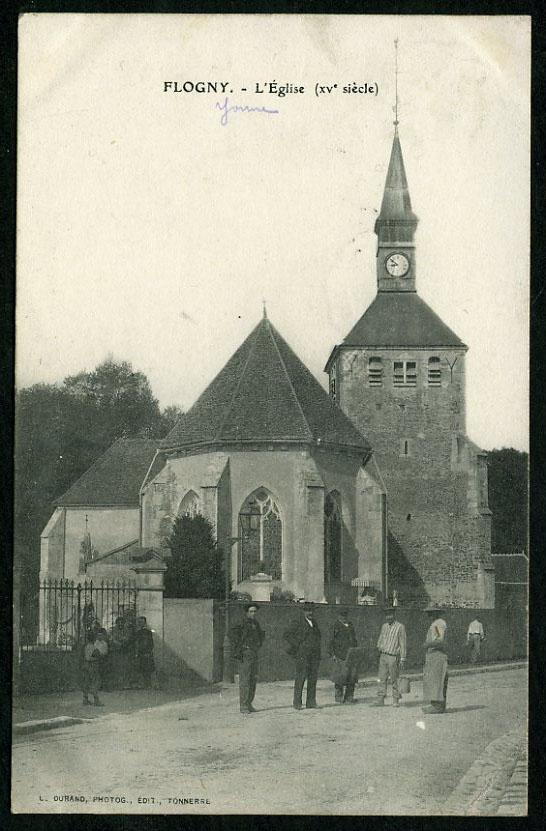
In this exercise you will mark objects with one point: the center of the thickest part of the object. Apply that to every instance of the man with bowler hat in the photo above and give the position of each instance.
(303, 640)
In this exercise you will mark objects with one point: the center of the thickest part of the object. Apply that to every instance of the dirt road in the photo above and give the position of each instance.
(203, 756)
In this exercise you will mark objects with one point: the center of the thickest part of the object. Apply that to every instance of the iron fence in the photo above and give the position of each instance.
(67, 610)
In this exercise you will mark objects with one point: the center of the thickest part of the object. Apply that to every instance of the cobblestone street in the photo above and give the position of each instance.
(334, 760)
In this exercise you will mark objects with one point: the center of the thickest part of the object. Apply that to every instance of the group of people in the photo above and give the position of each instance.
(303, 642)
(122, 658)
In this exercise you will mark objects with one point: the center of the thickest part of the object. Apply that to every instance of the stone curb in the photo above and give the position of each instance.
(514, 799)
(412, 675)
(26, 727)
(483, 787)
(453, 673)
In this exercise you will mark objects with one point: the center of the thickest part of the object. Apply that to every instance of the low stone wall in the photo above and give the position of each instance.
(44, 671)
(506, 634)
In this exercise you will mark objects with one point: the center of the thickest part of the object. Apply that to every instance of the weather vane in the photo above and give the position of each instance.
(395, 108)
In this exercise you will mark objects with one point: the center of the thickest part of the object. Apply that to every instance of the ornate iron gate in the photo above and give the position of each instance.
(68, 610)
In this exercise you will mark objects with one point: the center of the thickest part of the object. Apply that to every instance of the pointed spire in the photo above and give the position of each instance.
(396, 202)
(264, 301)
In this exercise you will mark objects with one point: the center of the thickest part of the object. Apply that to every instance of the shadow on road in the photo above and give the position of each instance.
(408, 704)
(330, 706)
(466, 709)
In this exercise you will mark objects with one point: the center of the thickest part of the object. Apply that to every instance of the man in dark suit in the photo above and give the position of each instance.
(303, 639)
(246, 639)
(342, 638)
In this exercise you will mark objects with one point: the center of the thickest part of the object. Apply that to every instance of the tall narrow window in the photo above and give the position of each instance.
(405, 374)
(406, 447)
(260, 530)
(333, 379)
(375, 372)
(434, 372)
(332, 537)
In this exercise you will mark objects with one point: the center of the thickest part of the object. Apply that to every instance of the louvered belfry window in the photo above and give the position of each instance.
(434, 372)
(375, 372)
(405, 374)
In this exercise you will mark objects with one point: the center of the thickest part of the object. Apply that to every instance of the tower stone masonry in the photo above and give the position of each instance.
(400, 377)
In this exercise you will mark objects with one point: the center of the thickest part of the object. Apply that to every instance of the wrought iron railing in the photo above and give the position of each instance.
(67, 610)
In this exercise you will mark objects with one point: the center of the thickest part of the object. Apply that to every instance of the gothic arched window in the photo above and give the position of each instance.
(260, 530)
(190, 505)
(332, 537)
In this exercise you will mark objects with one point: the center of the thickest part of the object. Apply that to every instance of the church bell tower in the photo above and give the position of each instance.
(399, 375)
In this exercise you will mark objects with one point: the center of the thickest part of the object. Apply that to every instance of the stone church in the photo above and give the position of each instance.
(374, 488)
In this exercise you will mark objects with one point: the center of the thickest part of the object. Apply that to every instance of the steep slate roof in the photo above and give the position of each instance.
(264, 394)
(115, 478)
(401, 319)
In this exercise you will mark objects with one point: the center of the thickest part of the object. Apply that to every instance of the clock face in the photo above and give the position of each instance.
(397, 265)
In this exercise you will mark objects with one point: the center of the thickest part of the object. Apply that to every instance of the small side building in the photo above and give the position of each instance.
(100, 513)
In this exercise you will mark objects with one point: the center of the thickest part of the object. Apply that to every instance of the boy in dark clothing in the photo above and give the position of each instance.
(342, 638)
(246, 639)
(144, 650)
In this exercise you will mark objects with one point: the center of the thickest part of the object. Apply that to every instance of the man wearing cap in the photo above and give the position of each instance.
(342, 638)
(391, 645)
(435, 669)
(303, 640)
(247, 638)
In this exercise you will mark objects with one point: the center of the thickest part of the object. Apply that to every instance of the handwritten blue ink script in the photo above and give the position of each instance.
(226, 108)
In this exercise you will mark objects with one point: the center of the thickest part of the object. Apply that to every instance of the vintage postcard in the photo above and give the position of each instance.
(271, 546)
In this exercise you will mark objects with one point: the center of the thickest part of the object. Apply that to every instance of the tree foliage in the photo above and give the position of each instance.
(61, 429)
(508, 499)
(196, 567)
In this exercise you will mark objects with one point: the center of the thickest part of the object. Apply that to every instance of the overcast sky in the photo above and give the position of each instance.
(150, 231)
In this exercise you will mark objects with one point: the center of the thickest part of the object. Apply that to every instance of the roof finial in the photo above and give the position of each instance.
(395, 108)
(264, 301)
